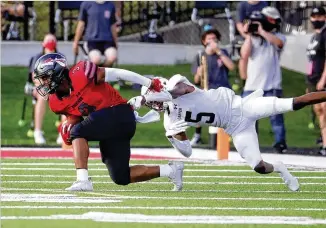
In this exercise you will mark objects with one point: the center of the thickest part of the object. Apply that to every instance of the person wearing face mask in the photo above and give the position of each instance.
(49, 45)
(261, 52)
(316, 75)
(218, 65)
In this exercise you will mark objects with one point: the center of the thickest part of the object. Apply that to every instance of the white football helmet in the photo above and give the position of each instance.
(155, 105)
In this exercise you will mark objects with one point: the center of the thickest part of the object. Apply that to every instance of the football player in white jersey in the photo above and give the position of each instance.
(222, 108)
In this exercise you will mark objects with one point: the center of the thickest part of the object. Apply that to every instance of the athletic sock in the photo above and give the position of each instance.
(165, 170)
(82, 174)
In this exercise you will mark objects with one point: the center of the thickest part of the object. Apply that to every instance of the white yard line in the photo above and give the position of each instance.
(186, 176)
(109, 196)
(176, 219)
(70, 163)
(151, 190)
(162, 182)
(187, 170)
(105, 197)
(168, 208)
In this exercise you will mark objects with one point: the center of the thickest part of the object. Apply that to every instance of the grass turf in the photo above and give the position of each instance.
(13, 80)
(257, 195)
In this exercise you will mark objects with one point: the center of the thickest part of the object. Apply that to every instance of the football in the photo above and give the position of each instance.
(71, 120)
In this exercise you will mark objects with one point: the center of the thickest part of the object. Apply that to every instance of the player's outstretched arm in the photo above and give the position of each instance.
(115, 74)
(181, 143)
(309, 99)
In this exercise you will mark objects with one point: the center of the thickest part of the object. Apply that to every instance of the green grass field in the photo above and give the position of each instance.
(32, 196)
(13, 80)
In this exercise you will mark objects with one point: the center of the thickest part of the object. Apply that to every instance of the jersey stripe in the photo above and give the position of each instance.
(90, 70)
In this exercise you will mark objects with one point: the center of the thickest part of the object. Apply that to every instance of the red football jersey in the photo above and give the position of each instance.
(86, 96)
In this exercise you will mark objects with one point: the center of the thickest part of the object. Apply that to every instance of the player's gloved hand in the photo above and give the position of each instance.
(179, 126)
(156, 85)
(137, 102)
(28, 89)
(65, 129)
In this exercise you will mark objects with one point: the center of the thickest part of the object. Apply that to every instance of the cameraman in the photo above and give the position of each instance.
(316, 77)
(262, 49)
(218, 66)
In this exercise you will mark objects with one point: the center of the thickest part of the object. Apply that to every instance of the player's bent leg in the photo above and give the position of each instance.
(246, 143)
(110, 56)
(95, 56)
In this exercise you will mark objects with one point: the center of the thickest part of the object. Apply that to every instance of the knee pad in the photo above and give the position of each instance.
(119, 175)
(260, 169)
(95, 56)
(111, 54)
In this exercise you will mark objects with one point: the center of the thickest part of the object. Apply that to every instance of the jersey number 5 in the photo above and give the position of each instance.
(199, 117)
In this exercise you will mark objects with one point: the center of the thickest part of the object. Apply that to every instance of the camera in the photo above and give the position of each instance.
(257, 16)
(252, 28)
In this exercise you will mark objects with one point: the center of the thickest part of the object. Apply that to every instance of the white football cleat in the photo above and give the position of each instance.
(81, 186)
(177, 175)
(290, 181)
(39, 138)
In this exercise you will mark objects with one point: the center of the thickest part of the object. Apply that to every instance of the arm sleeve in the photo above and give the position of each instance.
(83, 12)
(283, 38)
(225, 52)
(115, 74)
(184, 147)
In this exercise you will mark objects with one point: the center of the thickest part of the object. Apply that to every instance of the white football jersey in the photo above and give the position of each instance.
(212, 107)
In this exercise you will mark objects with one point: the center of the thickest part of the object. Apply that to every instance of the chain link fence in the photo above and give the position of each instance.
(176, 21)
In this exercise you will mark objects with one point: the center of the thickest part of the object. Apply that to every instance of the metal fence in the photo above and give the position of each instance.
(178, 22)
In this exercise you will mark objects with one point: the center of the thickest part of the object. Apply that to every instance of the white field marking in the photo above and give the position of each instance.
(151, 190)
(55, 198)
(187, 170)
(176, 219)
(168, 208)
(92, 164)
(201, 198)
(162, 182)
(186, 176)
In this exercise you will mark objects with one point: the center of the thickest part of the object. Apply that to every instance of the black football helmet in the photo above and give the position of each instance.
(50, 70)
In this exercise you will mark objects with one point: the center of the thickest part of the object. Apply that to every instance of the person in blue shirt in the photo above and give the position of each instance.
(218, 65)
(244, 10)
(99, 22)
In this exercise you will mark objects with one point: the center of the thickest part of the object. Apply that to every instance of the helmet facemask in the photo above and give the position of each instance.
(49, 83)
(155, 105)
(50, 70)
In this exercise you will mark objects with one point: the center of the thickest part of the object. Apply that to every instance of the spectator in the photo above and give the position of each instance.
(262, 49)
(49, 46)
(99, 22)
(316, 76)
(218, 66)
(244, 10)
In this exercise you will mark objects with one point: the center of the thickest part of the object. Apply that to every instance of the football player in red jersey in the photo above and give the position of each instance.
(84, 91)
